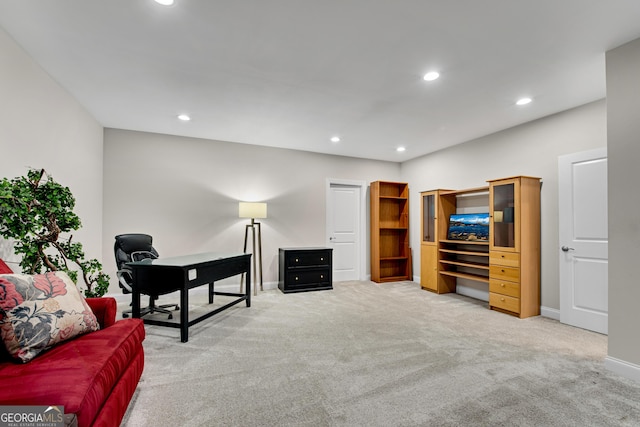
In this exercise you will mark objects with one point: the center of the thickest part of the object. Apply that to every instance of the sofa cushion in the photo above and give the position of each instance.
(80, 374)
(39, 311)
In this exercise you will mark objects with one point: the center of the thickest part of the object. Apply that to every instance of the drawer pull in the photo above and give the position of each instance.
(322, 276)
(321, 259)
(502, 284)
(297, 260)
(297, 278)
(502, 270)
(502, 299)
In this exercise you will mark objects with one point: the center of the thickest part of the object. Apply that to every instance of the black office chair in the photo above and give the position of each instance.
(136, 247)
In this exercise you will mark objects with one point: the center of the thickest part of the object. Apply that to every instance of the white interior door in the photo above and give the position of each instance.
(583, 247)
(344, 233)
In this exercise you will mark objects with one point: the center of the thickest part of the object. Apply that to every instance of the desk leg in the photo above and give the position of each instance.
(135, 304)
(184, 315)
(211, 293)
(247, 289)
(246, 236)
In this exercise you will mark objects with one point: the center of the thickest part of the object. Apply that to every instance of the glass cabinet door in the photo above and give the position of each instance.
(504, 215)
(428, 217)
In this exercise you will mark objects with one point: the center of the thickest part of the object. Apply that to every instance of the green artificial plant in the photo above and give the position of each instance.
(36, 212)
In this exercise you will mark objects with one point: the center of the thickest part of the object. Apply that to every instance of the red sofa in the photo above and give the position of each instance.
(93, 376)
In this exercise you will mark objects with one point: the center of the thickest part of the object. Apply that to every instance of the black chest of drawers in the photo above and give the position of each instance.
(305, 269)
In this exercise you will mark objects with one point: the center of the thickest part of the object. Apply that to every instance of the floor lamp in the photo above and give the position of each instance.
(253, 210)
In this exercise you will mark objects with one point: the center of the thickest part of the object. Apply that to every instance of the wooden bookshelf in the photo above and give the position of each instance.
(390, 253)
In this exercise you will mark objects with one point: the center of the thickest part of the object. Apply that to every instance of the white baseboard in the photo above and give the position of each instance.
(120, 297)
(621, 367)
(270, 285)
(551, 313)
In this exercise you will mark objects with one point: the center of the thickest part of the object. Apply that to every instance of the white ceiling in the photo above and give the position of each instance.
(293, 73)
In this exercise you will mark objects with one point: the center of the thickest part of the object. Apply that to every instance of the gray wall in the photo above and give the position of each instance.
(530, 149)
(185, 192)
(623, 106)
(42, 126)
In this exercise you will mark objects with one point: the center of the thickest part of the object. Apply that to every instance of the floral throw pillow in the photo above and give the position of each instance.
(39, 311)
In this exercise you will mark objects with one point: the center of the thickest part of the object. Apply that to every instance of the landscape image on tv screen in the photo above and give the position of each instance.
(469, 227)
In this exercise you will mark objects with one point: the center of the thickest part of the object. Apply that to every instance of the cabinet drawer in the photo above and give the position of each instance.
(504, 302)
(499, 272)
(504, 287)
(307, 277)
(307, 259)
(509, 259)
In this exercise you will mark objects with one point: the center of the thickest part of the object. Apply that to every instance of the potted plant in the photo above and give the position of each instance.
(37, 212)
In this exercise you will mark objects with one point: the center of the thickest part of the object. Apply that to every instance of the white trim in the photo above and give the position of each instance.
(621, 367)
(363, 217)
(551, 313)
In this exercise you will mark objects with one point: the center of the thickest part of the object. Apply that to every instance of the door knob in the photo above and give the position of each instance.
(567, 249)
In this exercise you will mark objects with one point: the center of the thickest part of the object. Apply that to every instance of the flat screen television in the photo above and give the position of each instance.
(469, 227)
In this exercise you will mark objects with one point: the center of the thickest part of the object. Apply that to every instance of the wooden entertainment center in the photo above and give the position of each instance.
(508, 260)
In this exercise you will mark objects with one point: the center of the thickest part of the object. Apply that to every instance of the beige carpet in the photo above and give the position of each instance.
(366, 354)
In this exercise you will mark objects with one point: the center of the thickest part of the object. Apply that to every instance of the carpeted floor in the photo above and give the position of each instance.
(367, 354)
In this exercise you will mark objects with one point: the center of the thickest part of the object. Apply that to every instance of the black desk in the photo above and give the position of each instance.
(165, 275)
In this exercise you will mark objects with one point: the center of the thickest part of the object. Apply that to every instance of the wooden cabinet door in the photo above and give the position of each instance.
(504, 209)
(429, 267)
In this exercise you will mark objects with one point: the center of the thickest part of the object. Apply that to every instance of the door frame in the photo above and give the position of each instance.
(363, 217)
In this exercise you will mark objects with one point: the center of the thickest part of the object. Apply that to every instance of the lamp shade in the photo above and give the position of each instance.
(252, 210)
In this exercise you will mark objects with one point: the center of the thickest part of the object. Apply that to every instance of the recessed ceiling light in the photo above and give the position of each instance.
(523, 101)
(164, 2)
(431, 76)
(184, 117)
(335, 139)
(400, 149)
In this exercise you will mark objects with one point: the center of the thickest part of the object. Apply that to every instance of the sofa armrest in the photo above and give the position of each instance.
(4, 268)
(105, 309)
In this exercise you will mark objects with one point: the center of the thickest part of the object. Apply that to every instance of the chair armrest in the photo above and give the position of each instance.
(125, 282)
(105, 310)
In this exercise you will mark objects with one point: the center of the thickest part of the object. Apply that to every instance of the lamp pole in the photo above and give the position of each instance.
(253, 211)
